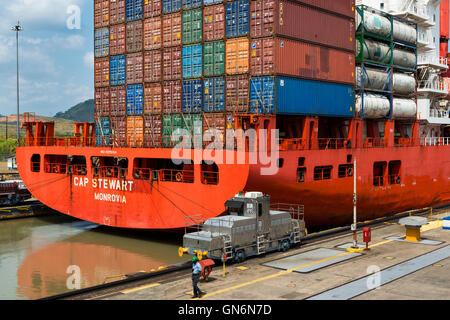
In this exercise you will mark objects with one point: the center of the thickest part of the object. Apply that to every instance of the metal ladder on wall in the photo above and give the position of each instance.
(260, 244)
(296, 231)
(227, 247)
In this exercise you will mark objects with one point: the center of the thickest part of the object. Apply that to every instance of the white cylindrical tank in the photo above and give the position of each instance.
(404, 32)
(403, 58)
(372, 79)
(374, 23)
(403, 83)
(403, 108)
(375, 51)
(375, 106)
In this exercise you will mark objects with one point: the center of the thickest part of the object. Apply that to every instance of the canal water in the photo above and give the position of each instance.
(41, 256)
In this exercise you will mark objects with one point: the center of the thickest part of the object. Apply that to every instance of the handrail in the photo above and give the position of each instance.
(284, 144)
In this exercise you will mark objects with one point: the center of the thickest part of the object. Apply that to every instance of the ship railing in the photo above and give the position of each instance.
(210, 177)
(379, 181)
(175, 175)
(110, 172)
(55, 168)
(334, 143)
(403, 142)
(292, 144)
(435, 141)
(77, 169)
(373, 143)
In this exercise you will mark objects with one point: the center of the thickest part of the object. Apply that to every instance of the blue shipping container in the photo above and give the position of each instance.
(134, 9)
(117, 74)
(188, 4)
(237, 18)
(169, 6)
(192, 61)
(101, 42)
(214, 95)
(301, 97)
(102, 131)
(192, 96)
(209, 2)
(135, 99)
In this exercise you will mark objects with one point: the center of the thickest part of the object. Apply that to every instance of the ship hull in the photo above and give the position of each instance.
(424, 180)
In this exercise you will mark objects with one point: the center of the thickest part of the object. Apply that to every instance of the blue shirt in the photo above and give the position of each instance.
(196, 268)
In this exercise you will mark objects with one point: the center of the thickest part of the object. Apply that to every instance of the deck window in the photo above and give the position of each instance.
(379, 171)
(301, 174)
(322, 173)
(55, 164)
(36, 163)
(394, 172)
(345, 170)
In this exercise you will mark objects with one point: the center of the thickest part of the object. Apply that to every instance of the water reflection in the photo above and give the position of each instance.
(36, 252)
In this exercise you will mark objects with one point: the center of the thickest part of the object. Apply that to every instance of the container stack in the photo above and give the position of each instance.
(162, 65)
(386, 65)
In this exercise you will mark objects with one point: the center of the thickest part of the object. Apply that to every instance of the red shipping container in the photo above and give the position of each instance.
(152, 98)
(102, 106)
(152, 65)
(101, 13)
(135, 39)
(101, 72)
(117, 39)
(152, 131)
(237, 93)
(171, 26)
(444, 20)
(343, 7)
(171, 63)
(172, 95)
(118, 96)
(152, 8)
(274, 17)
(292, 58)
(119, 130)
(117, 11)
(214, 22)
(135, 68)
(152, 33)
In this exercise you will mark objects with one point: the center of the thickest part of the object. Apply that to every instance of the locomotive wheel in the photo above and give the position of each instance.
(240, 256)
(285, 245)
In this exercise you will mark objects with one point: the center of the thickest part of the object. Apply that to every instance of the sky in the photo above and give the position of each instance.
(55, 54)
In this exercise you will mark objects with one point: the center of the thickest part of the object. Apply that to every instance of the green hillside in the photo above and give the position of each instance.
(82, 112)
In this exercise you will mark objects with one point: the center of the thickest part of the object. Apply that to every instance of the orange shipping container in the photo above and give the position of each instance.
(135, 131)
(152, 33)
(117, 11)
(117, 39)
(214, 22)
(171, 25)
(152, 65)
(101, 72)
(299, 59)
(134, 39)
(101, 13)
(152, 98)
(237, 60)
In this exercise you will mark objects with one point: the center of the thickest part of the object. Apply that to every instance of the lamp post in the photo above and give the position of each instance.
(17, 28)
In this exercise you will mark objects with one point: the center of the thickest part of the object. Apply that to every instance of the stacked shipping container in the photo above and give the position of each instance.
(158, 62)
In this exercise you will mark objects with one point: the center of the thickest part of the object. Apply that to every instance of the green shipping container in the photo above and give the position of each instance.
(192, 26)
(170, 124)
(193, 123)
(214, 58)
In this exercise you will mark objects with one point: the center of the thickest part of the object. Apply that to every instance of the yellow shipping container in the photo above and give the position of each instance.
(135, 131)
(237, 56)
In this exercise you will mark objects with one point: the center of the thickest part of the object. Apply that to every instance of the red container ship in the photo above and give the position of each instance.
(120, 172)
